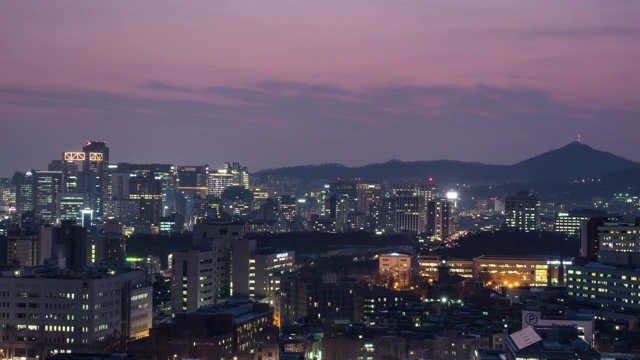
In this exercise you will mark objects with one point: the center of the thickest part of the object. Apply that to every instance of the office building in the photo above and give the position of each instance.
(251, 270)
(523, 211)
(369, 196)
(193, 180)
(611, 283)
(124, 211)
(569, 222)
(51, 311)
(24, 191)
(427, 190)
(71, 176)
(218, 181)
(266, 264)
(598, 234)
(261, 194)
(147, 191)
(193, 282)
(439, 222)
(7, 193)
(410, 213)
(201, 276)
(95, 181)
(237, 202)
(164, 172)
(240, 173)
(120, 186)
(46, 190)
(619, 237)
(610, 287)
(287, 206)
(170, 224)
(514, 271)
(70, 206)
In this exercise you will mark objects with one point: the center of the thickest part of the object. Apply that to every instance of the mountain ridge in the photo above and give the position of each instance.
(571, 162)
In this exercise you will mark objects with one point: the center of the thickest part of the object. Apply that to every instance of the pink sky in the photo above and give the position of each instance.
(271, 83)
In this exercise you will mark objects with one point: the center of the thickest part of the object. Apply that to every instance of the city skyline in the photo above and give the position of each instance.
(283, 84)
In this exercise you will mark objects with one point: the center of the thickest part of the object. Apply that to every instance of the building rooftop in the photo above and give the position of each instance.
(524, 257)
(556, 342)
(55, 272)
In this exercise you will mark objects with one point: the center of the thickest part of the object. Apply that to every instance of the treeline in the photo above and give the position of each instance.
(508, 242)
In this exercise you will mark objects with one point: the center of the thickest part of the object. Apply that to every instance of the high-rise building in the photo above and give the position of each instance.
(164, 172)
(237, 202)
(369, 196)
(231, 174)
(203, 275)
(240, 173)
(147, 191)
(287, 205)
(338, 201)
(219, 181)
(251, 270)
(260, 195)
(410, 213)
(70, 177)
(46, 190)
(24, 191)
(439, 224)
(428, 190)
(7, 193)
(523, 211)
(193, 279)
(120, 184)
(96, 161)
(70, 206)
(193, 180)
(125, 211)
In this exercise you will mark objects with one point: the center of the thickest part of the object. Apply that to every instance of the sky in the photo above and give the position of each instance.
(281, 83)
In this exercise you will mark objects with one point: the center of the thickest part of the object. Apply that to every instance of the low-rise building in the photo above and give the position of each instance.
(554, 342)
(214, 332)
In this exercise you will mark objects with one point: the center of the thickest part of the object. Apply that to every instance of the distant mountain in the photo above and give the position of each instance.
(571, 162)
(622, 180)
(574, 161)
(440, 170)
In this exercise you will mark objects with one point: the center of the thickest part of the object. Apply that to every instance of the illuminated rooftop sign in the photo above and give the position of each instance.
(74, 156)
